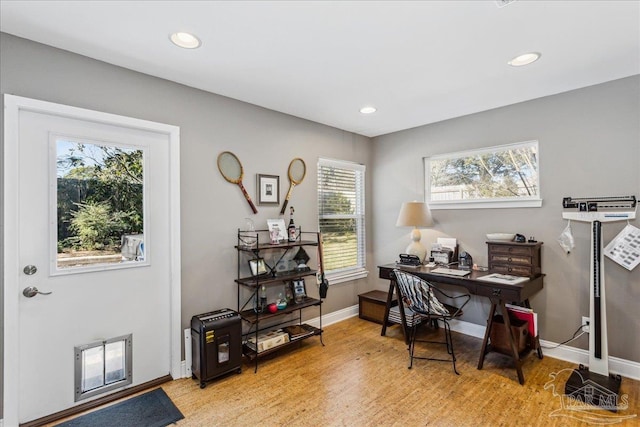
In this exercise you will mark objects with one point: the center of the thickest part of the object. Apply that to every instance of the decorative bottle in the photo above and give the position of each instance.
(263, 298)
(292, 227)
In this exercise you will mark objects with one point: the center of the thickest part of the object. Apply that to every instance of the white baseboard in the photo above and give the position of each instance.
(334, 317)
(622, 367)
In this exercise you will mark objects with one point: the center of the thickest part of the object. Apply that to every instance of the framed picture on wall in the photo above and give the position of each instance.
(268, 189)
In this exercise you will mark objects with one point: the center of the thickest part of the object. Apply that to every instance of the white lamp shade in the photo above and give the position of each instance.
(415, 214)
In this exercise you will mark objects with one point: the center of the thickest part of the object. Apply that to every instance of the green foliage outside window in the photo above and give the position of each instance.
(501, 173)
(99, 197)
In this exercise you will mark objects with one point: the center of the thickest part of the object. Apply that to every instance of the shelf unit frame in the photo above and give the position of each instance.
(253, 284)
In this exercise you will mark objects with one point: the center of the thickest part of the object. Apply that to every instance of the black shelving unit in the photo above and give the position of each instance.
(251, 245)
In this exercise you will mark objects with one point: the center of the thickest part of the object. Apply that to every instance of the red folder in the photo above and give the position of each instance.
(525, 314)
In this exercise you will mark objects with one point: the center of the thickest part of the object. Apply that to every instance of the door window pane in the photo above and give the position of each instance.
(100, 200)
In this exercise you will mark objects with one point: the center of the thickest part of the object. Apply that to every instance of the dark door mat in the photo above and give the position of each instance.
(151, 409)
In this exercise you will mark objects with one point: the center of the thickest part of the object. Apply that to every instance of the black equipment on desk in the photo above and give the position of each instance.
(444, 255)
(406, 259)
(216, 344)
(465, 262)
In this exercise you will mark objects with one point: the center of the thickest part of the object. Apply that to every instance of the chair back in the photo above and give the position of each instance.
(417, 294)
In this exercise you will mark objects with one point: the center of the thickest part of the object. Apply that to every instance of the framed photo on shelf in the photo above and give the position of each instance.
(277, 230)
(268, 189)
(299, 290)
(257, 266)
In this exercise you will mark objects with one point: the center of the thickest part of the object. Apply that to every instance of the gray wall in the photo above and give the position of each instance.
(212, 209)
(589, 143)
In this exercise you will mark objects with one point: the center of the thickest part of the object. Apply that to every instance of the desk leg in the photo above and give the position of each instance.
(385, 320)
(512, 342)
(536, 340)
(485, 341)
(405, 330)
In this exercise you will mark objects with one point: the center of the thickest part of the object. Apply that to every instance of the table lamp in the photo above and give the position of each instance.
(415, 214)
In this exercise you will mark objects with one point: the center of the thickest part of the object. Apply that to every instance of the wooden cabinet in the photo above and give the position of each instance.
(518, 259)
(372, 305)
(259, 321)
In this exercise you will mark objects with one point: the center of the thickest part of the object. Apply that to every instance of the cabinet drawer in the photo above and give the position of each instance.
(494, 292)
(516, 270)
(511, 259)
(510, 250)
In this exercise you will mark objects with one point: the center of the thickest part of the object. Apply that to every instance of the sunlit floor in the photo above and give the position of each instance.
(361, 379)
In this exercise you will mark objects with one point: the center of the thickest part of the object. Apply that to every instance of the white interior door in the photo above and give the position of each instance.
(87, 303)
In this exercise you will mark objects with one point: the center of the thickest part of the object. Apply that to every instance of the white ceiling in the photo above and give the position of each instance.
(416, 62)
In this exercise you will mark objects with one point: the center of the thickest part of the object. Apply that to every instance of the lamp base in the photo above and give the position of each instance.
(415, 248)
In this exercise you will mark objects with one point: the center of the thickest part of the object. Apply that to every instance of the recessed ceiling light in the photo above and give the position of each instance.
(185, 40)
(524, 59)
(368, 110)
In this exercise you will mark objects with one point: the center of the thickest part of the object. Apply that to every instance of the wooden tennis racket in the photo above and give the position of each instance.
(231, 169)
(297, 171)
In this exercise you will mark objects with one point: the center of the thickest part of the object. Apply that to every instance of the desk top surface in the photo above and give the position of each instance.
(515, 292)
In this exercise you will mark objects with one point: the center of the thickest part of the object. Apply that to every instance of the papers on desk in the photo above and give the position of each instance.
(505, 279)
(450, 271)
(448, 243)
(527, 314)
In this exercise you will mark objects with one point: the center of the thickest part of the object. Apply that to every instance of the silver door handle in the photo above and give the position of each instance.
(32, 291)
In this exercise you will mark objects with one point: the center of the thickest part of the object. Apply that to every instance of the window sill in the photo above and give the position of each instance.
(346, 276)
(484, 204)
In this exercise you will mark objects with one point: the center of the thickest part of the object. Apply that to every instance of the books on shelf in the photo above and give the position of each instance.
(298, 331)
(505, 279)
(268, 340)
(526, 314)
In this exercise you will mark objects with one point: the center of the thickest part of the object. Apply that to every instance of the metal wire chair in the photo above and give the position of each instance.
(424, 299)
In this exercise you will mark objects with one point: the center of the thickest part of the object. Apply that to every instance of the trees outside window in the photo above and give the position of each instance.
(341, 215)
(499, 176)
(99, 200)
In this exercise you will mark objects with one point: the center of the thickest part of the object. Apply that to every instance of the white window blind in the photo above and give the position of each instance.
(341, 218)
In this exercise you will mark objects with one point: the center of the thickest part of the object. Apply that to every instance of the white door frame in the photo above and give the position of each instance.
(12, 107)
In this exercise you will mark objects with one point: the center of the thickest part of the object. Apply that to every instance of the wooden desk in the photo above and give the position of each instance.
(497, 293)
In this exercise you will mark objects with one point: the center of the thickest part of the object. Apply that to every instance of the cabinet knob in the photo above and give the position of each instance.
(496, 292)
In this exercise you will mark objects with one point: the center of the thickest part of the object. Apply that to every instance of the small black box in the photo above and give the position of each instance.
(216, 344)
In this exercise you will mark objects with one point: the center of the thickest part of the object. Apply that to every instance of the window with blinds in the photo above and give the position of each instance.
(341, 218)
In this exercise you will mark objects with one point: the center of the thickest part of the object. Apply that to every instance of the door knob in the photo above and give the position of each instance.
(32, 291)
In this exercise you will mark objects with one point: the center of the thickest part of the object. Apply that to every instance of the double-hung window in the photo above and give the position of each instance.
(341, 217)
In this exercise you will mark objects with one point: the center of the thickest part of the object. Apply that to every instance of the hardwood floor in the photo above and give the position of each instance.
(361, 379)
